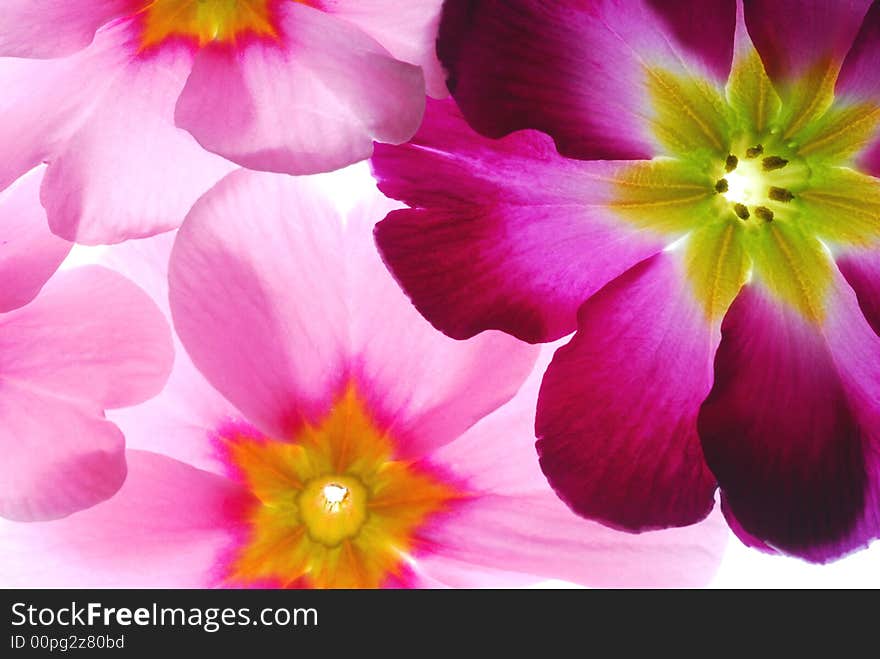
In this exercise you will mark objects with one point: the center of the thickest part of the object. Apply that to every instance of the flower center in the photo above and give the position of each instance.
(753, 183)
(207, 21)
(333, 508)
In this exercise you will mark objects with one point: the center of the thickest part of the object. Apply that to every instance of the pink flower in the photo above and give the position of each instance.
(134, 97)
(62, 363)
(710, 226)
(324, 435)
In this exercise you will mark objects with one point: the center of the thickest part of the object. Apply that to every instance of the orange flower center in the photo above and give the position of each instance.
(207, 21)
(334, 509)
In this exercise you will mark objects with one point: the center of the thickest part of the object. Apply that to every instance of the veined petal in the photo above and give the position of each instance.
(584, 73)
(506, 234)
(29, 252)
(313, 101)
(177, 523)
(841, 206)
(55, 28)
(616, 417)
(803, 45)
(790, 428)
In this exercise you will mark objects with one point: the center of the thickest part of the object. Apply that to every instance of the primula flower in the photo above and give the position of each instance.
(710, 229)
(123, 97)
(324, 435)
(62, 363)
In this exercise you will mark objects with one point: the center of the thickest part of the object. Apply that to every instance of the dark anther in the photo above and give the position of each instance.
(764, 213)
(755, 151)
(731, 163)
(774, 162)
(741, 211)
(721, 187)
(780, 194)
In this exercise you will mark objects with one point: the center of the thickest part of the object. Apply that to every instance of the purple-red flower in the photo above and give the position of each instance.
(129, 100)
(317, 432)
(87, 341)
(708, 220)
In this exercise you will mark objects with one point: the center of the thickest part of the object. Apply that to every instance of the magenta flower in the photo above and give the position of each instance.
(62, 363)
(711, 229)
(324, 435)
(123, 97)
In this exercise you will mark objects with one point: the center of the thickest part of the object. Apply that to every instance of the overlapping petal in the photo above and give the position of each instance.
(177, 522)
(616, 419)
(584, 72)
(29, 253)
(506, 234)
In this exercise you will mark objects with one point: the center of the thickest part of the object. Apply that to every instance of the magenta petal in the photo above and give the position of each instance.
(54, 28)
(617, 411)
(574, 69)
(313, 103)
(503, 234)
(792, 36)
(29, 252)
(862, 272)
(790, 428)
(169, 526)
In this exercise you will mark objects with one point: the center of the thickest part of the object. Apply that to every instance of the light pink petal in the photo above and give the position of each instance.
(90, 336)
(257, 295)
(313, 103)
(791, 428)
(29, 252)
(575, 69)
(429, 388)
(502, 234)
(54, 28)
(408, 30)
(517, 523)
(181, 420)
(127, 172)
(59, 455)
(793, 36)
(862, 271)
(616, 416)
(169, 526)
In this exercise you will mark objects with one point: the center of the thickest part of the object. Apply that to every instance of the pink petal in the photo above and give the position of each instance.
(127, 172)
(183, 419)
(90, 336)
(791, 426)
(316, 103)
(862, 272)
(616, 417)
(257, 294)
(59, 455)
(517, 523)
(504, 234)
(29, 252)
(429, 388)
(574, 69)
(55, 28)
(408, 30)
(169, 526)
(793, 36)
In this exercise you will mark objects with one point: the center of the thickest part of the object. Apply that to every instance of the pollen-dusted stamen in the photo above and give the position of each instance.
(722, 186)
(755, 151)
(741, 211)
(773, 162)
(764, 213)
(780, 194)
(731, 163)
